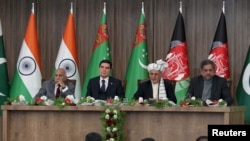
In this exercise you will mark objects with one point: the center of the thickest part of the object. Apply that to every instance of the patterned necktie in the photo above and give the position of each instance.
(103, 86)
(58, 91)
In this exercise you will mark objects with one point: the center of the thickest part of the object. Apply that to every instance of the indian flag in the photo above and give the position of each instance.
(67, 57)
(27, 77)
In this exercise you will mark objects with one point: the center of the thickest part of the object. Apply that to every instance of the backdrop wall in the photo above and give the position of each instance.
(201, 19)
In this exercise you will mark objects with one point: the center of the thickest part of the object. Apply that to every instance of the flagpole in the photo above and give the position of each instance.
(71, 7)
(33, 7)
(223, 7)
(142, 8)
(104, 9)
(180, 6)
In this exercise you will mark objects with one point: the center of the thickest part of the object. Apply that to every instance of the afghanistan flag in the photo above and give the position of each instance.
(219, 51)
(177, 60)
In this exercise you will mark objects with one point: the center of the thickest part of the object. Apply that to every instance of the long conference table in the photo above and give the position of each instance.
(72, 123)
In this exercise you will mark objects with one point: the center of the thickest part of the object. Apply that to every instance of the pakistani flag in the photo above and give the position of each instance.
(138, 60)
(177, 60)
(243, 89)
(4, 81)
(101, 51)
(67, 57)
(27, 77)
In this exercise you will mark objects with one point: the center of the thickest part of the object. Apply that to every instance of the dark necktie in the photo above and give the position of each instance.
(58, 91)
(103, 86)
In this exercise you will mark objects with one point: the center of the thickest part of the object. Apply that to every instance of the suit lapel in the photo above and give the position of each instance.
(52, 87)
(201, 84)
(149, 89)
(214, 84)
(110, 84)
(97, 83)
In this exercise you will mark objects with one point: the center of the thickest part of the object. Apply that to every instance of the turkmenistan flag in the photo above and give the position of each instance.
(243, 89)
(67, 57)
(177, 60)
(138, 60)
(4, 81)
(27, 77)
(101, 51)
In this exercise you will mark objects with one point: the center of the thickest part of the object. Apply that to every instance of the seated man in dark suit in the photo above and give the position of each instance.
(104, 86)
(57, 87)
(156, 87)
(208, 85)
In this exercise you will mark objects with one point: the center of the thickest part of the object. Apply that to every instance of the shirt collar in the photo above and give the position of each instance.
(106, 79)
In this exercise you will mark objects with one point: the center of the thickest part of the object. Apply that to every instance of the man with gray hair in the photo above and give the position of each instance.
(59, 86)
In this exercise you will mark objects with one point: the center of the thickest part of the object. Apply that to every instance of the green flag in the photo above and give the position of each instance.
(243, 89)
(4, 81)
(101, 51)
(138, 60)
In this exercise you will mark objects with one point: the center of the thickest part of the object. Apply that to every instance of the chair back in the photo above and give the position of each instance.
(124, 84)
(72, 81)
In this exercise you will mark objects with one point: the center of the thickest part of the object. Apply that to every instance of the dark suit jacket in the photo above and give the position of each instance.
(220, 89)
(145, 90)
(48, 89)
(114, 88)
